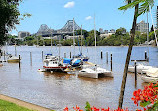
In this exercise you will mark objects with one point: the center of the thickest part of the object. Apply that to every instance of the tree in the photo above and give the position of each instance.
(144, 7)
(120, 31)
(9, 17)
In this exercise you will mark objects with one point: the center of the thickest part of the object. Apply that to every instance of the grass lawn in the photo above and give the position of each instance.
(8, 106)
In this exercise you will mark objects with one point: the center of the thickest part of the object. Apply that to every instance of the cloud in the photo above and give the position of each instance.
(88, 18)
(69, 4)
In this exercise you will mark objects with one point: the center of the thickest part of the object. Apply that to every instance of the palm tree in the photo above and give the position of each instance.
(143, 8)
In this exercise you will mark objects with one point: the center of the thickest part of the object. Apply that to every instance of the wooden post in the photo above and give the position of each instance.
(111, 62)
(145, 55)
(107, 57)
(135, 65)
(101, 54)
(64, 55)
(19, 61)
(4, 57)
(70, 54)
(42, 55)
(31, 58)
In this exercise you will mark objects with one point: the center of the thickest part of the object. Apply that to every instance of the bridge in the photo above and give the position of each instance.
(67, 29)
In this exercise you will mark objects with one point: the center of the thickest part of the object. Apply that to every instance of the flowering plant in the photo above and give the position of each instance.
(147, 97)
(89, 108)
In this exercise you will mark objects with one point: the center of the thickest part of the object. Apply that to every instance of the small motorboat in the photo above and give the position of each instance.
(151, 75)
(94, 72)
(53, 63)
(149, 79)
(13, 59)
(140, 68)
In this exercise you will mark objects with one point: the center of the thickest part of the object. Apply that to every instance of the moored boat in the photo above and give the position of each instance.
(13, 59)
(95, 72)
(140, 68)
(149, 79)
(151, 75)
(53, 63)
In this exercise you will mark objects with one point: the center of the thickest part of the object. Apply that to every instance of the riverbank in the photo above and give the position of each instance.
(23, 103)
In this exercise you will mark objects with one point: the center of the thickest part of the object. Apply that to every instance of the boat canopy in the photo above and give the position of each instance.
(77, 62)
(49, 54)
(66, 60)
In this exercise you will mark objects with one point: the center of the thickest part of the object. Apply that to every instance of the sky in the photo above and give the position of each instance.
(55, 14)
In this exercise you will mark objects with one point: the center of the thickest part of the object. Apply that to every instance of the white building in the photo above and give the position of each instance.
(142, 27)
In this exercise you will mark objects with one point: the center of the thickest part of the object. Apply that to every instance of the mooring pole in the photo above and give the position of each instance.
(111, 62)
(70, 54)
(145, 55)
(135, 65)
(64, 55)
(101, 54)
(4, 57)
(106, 57)
(31, 58)
(19, 61)
(42, 55)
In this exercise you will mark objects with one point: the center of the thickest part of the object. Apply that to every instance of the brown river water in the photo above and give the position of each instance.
(58, 90)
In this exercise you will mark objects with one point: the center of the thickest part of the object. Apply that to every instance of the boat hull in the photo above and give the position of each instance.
(14, 60)
(57, 69)
(139, 68)
(89, 75)
(149, 79)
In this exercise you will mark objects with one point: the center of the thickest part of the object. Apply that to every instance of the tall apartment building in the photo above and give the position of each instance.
(101, 30)
(23, 34)
(142, 27)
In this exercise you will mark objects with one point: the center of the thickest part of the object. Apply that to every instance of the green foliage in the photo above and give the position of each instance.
(144, 104)
(29, 38)
(120, 31)
(152, 35)
(88, 107)
(84, 33)
(9, 17)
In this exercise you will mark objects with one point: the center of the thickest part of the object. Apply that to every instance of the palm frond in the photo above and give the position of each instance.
(131, 4)
(143, 8)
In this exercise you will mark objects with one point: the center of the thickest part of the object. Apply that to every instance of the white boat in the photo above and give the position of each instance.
(151, 75)
(151, 72)
(53, 63)
(149, 79)
(13, 59)
(140, 67)
(96, 71)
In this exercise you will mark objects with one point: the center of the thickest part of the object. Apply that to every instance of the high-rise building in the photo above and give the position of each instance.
(106, 31)
(23, 34)
(142, 27)
(112, 31)
(101, 30)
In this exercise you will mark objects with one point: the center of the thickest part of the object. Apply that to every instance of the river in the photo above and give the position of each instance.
(58, 90)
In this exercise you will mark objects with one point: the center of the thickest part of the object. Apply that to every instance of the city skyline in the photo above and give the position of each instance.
(56, 13)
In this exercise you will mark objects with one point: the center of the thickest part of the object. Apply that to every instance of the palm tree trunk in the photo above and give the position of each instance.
(128, 57)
